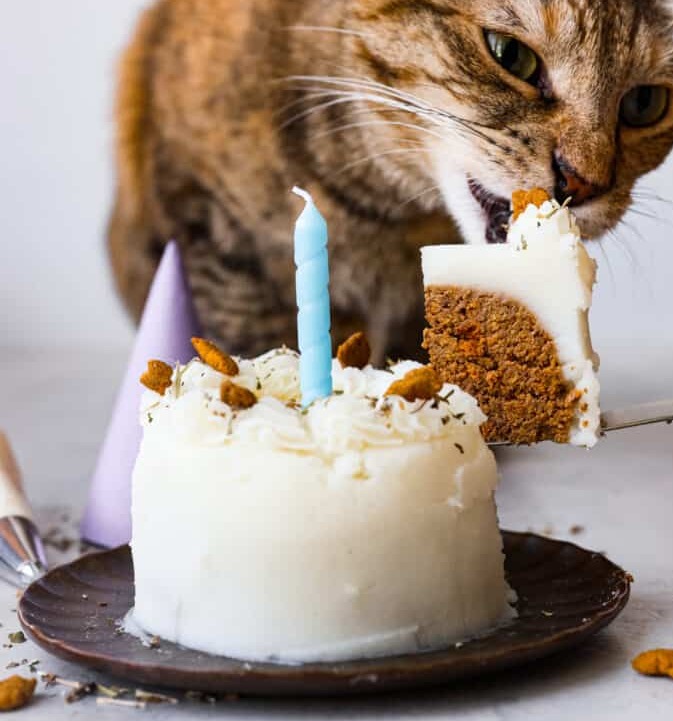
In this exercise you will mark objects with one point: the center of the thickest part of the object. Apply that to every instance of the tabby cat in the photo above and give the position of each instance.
(410, 121)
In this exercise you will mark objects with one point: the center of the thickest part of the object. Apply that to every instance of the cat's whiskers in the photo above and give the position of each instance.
(649, 216)
(418, 196)
(621, 243)
(355, 113)
(635, 262)
(330, 29)
(346, 97)
(307, 97)
(316, 94)
(606, 258)
(374, 123)
(383, 93)
(396, 98)
(340, 100)
(643, 194)
(375, 156)
(360, 88)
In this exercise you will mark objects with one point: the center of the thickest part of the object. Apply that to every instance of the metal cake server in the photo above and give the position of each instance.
(645, 414)
(633, 416)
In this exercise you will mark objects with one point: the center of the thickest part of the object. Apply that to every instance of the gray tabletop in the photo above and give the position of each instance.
(617, 498)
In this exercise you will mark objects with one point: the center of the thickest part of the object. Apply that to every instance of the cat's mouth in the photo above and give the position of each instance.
(496, 211)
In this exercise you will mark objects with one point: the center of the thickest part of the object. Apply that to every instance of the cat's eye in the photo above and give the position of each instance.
(517, 58)
(645, 105)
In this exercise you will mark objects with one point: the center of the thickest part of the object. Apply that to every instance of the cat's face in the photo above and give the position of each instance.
(569, 95)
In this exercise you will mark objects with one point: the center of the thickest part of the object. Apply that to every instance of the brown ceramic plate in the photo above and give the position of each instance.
(565, 594)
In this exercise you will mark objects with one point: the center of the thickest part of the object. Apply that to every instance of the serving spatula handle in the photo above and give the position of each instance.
(22, 557)
(634, 416)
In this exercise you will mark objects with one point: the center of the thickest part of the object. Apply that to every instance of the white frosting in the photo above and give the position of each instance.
(544, 266)
(361, 527)
(357, 415)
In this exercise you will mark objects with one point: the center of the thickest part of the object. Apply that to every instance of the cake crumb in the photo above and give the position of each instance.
(418, 384)
(15, 692)
(154, 697)
(80, 691)
(201, 697)
(236, 396)
(217, 359)
(658, 662)
(157, 377)
(124, 703)
(354, 352)
(576, 530)
(521, 199)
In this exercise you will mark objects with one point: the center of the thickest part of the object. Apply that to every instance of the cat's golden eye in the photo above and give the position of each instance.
(645, 105)
(514, 56)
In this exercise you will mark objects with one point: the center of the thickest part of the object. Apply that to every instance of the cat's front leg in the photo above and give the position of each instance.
(237, 305)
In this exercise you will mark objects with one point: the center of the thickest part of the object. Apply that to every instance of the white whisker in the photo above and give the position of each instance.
(384, 90)
(407, 101)
(352, 126)
(317, 108)
(606, 258)
(374, 156)
(352, 114)
(625, 248)
(330, 29)
(348, 97)
(389, 91)
(417, 196)
(356, 85)
(650, 216)
(439, 119)
(648, 194)
(303, 99)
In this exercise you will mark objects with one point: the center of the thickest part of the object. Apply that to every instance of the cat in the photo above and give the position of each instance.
(410, 121)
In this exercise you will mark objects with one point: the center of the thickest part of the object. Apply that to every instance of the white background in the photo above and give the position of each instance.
(57, 67)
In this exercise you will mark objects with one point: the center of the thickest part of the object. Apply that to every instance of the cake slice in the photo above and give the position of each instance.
(509, 324)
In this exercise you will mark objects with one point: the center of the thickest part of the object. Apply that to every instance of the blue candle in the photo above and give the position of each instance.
(313, 319)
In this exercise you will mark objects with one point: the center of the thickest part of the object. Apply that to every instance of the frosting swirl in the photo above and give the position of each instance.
(356, 416)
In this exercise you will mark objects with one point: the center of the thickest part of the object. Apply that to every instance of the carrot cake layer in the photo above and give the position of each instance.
(509, 324)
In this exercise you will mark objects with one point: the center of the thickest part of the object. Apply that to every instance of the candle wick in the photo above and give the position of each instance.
(302, 194)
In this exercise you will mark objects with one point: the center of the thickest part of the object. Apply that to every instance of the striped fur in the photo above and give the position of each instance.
(382, 109)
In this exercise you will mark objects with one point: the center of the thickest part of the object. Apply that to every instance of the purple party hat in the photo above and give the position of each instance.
(166, 328)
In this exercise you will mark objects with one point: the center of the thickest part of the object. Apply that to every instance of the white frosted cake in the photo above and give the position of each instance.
(361, 526)
(509, 324)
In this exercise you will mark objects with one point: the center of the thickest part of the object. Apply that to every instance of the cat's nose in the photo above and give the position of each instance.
(571, 184)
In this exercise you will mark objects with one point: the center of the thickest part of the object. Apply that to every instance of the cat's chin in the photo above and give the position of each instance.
(496, 212)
